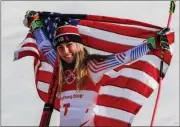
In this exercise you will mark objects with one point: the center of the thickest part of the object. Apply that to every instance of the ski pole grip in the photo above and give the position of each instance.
(171, 11)
(172, 6)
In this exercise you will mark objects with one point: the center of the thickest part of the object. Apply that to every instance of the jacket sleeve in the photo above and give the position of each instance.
(97, 69)
(45, 45)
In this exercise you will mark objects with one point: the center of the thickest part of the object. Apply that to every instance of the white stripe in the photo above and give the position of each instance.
(155, 62)
(46, 67)
(114, 113)
(109, 36)
(36, 68)
(141, 27)
(135, 74)
(29, 49)
(96, 51)
(29, 40)
(123, 93)
(43, 86)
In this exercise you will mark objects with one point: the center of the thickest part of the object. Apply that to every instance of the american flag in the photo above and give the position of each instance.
(123, 90)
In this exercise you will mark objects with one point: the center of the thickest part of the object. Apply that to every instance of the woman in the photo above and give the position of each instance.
(79, 72)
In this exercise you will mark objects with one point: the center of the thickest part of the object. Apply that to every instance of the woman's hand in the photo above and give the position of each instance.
(32, 20)
(161, 41)
(163, 38)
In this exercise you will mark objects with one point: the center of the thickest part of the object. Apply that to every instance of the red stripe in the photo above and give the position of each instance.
(103, 45)
(167, 55)
(118, 103)
(105, 121)
(44, 76)
(120, 20)
(171, 38)
(31, 45)
(29, 35)
(119, 29)
(25, 53)
(67, 29)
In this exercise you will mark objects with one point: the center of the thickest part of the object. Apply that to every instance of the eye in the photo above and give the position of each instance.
(60, 47)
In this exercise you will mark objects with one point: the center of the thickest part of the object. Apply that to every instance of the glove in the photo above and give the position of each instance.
(32, 20)
(160, 41)
(163, 39)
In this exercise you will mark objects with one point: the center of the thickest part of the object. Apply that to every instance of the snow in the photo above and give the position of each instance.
(21, 105)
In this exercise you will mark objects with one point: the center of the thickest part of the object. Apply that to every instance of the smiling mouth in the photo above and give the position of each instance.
(69, 56)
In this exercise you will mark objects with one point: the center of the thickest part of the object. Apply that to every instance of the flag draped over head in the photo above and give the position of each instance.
(124, 89)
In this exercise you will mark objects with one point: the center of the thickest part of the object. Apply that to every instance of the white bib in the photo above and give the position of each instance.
(77, 108)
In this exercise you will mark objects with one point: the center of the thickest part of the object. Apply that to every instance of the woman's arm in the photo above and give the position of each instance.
(97, 69)
(33, 21)
(45, 45)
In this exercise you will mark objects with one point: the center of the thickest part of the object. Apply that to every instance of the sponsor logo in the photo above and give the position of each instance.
(72, 96)
(69, 76)
(67, 39)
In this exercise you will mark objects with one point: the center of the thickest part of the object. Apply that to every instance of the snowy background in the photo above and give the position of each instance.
(20, 104)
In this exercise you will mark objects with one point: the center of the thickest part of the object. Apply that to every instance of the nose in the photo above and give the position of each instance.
(66, 50)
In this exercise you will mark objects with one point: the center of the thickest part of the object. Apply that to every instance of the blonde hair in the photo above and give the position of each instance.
(80, 67)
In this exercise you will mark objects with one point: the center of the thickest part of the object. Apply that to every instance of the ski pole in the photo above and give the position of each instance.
(49, 105)
(171, 11)
(48, 109)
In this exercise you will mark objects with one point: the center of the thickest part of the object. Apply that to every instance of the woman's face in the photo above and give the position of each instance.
(67, 51)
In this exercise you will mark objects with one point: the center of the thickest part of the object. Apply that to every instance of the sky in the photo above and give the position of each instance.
(20, 103)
